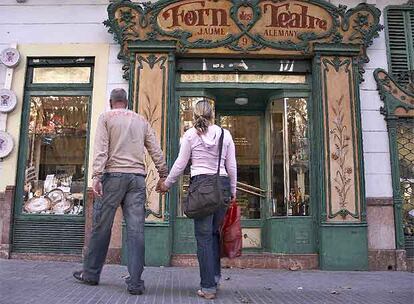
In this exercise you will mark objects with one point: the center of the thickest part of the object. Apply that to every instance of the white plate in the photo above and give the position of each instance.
(8, 100)
(37, 204)
(10, 57)
(6, 144)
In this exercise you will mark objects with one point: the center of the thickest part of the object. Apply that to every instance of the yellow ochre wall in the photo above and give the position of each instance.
(8, 168)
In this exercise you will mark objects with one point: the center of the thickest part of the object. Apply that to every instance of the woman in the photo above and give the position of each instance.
(200, 144)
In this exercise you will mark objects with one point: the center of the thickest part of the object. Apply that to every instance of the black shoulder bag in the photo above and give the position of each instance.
(206, 195)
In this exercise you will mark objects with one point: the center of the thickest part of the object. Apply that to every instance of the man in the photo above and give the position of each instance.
(119, 179)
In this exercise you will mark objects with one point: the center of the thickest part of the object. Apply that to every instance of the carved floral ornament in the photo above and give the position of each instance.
(398, 101)
(243, 26)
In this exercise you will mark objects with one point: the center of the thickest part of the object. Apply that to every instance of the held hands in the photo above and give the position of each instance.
(97, 187)
(161, 187)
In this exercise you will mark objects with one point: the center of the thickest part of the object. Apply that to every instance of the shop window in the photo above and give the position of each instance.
(57, 102)
(289, 157)
(242, 78)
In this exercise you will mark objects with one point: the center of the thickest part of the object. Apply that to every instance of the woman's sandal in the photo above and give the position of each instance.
(206, 295)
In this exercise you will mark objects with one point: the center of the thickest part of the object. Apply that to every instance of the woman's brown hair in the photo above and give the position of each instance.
(203, 115)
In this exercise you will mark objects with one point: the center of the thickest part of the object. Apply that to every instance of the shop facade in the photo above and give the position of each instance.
(319, 164)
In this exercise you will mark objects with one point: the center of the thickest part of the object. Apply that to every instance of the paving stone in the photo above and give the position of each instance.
(33, 282)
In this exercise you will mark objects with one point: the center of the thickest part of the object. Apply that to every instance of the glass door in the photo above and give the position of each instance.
(271, 137)
(247, 136)
(245, 130)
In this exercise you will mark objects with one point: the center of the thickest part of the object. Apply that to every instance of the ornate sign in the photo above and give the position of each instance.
(243, 26)
(237, 33)
(6, 144)
(8, 100)
(10, 57)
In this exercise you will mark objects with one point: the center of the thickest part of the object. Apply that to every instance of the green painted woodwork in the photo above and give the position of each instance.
(318, 187)
(293, 234)
(184, 240)
(307, 234)
(391, 103)
(48, 233)
(343, 247)
(399, 23)
(137, 23)
(165, 58)
(320, 74)
(359, 153)
(276, 232)
(290, 235)
(391, 100)
(157, 244)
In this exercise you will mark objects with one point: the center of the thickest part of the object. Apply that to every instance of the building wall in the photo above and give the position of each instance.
(67, 23)
(72, 22)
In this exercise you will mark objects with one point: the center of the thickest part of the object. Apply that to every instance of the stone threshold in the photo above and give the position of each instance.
(59, 257)
(263, 261)
(113, 256)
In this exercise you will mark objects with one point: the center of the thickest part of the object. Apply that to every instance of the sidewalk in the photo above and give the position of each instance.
(52, 282)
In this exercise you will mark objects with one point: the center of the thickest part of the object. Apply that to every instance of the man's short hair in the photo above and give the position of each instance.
(118, 94)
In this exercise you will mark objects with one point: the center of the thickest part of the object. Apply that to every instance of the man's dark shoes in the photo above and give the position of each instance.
(136, 292)
(78, 275)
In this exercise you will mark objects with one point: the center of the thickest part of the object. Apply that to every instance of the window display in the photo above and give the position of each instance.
(290, 157)
(55, 171)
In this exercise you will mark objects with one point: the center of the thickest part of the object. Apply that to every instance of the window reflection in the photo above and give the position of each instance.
(62, 75)
(186, 109)
(55, 167)
(242, 78)
(290, 157)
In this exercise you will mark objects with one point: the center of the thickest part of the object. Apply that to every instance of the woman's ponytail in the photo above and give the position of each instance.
(203, 116)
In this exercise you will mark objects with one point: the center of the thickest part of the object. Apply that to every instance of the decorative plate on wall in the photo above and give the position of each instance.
(10, 57)
(6, 144)
(8, 100)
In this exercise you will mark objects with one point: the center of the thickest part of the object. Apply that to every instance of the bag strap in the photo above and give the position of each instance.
(220, 150)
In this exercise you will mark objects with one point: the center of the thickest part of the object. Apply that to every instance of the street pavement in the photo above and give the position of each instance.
(34, 282)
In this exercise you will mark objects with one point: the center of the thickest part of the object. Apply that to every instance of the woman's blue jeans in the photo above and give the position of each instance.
(207, 234)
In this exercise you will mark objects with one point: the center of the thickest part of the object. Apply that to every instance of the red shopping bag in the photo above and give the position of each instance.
(231, 234)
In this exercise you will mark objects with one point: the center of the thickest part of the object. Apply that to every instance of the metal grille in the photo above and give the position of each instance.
(47, 236)
(405, 145)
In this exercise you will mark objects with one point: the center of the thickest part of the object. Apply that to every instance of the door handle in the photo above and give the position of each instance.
(250, 189)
